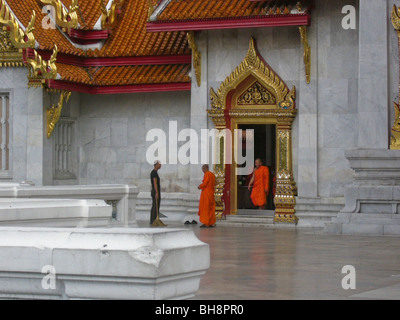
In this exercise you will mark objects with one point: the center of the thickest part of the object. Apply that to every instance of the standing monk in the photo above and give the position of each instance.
(155, 191)
(260, 179)
(207, 200)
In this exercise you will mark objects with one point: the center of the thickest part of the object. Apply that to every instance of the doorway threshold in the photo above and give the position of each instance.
(255, 212)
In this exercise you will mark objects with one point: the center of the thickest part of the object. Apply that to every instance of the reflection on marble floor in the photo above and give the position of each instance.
(259, 263)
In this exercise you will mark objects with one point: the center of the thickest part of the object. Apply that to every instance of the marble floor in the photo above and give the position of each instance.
(270, 264)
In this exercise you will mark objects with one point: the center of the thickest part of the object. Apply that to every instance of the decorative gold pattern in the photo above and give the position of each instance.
(253, 65)
(20, 39)
(307, 52)
(256, 94)
(40, 69)
(395, 138)
(109, 17)
(282, 114)
(64, 19)
(9, 55)
(196, 56)
(54, 112)
(396, 18)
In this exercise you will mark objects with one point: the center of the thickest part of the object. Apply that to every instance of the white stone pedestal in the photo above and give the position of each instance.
(47, 263)
(372, 202)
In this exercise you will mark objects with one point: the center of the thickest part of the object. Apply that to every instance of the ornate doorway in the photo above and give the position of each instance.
(254, 94)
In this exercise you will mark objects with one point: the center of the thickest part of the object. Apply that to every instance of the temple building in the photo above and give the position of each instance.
(84, 83)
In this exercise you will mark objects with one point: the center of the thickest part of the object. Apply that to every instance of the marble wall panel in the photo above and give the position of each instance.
(112, 137)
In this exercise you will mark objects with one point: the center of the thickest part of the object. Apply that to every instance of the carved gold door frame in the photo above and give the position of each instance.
(254, 93)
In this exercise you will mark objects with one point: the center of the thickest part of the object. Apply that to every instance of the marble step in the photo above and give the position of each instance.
(247, 221)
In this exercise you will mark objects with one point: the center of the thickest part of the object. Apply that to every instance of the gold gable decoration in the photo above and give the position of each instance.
(254, 66)
(256, 94)
(282, 112)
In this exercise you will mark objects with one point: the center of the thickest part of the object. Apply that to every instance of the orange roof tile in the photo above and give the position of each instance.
(45, 37)
(130, 37)
(213, 9)
(89, 13)
(125, 75)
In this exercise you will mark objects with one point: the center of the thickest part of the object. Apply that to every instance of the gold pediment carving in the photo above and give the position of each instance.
(256, 67)
(256, 95)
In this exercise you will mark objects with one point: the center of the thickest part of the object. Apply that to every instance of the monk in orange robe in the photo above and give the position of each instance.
(207, 200)
(260, 183)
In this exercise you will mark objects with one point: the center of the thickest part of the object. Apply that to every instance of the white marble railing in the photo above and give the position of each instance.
(108, 205)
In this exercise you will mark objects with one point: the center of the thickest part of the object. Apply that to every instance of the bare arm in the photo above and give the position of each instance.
(251, 181)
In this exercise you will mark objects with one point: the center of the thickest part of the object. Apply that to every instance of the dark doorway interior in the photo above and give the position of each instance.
(265, 149)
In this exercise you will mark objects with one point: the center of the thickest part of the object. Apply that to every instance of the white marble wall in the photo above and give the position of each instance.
(337, 96)
(26, 126)
(112, 138)
(373, 74)
(327, 123)
(347, 105)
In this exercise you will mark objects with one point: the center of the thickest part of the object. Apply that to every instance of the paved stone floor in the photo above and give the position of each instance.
(261, 264)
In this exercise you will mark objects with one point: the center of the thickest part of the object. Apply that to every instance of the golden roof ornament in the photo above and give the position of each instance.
(196, 56)
(54, 112)
(64, 19)
(42, 69)
(109, 16)
(19, 38)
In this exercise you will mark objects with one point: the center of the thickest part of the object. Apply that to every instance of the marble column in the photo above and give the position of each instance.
(198, 111)
(34, 131)
(373, 122)
(308, 123)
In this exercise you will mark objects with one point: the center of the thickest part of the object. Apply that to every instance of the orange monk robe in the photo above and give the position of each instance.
(207, 200)
(260, 185)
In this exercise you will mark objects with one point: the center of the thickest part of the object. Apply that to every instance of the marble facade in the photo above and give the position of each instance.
(346, 106)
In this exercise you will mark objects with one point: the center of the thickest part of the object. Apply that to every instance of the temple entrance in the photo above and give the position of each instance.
(264, 138)
(254, 96)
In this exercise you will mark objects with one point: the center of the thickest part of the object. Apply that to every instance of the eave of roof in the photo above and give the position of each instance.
(230, 23)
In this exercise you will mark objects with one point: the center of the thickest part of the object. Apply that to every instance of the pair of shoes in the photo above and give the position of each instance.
(193, 222)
